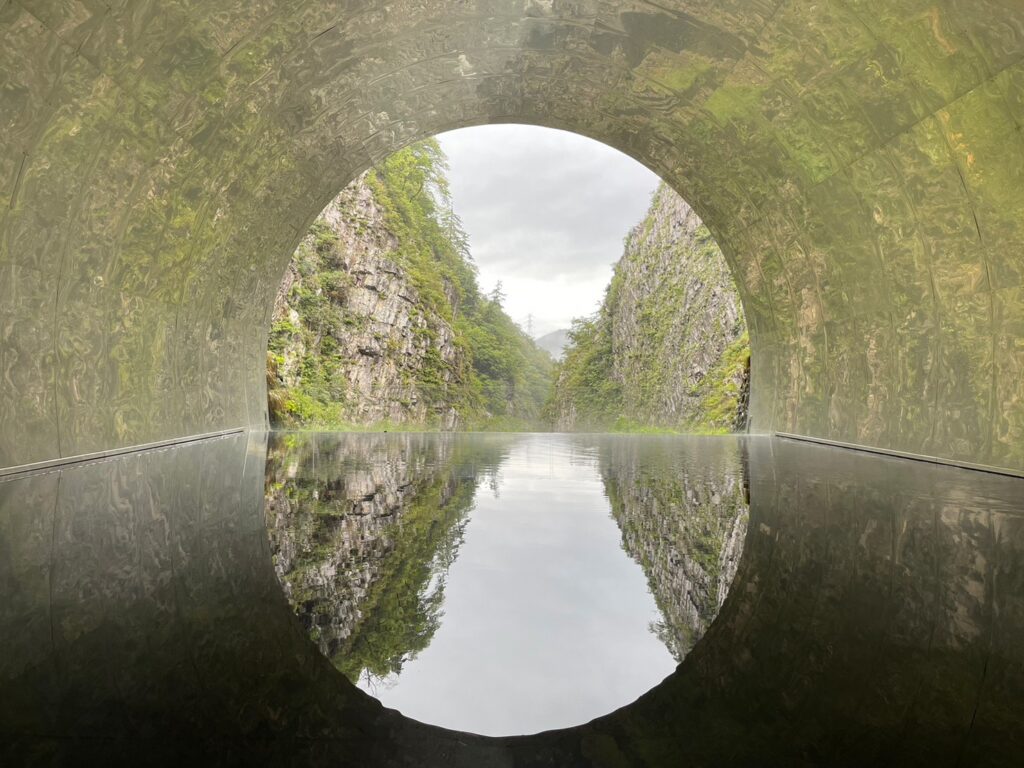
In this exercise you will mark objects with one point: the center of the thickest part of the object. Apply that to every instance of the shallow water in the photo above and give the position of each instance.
(505, 583)
(874, 613)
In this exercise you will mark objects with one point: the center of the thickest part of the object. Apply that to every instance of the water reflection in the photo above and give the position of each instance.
(876, 618)
(682, 506)
(363, 528)
(479, 581)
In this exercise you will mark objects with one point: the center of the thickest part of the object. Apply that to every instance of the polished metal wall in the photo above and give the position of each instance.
(859, 161)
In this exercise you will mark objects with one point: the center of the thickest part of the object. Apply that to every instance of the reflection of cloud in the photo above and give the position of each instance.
(546, 213)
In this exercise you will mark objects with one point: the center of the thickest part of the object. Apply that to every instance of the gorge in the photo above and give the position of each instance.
(380, 322)
(668, 347)
(396, 551)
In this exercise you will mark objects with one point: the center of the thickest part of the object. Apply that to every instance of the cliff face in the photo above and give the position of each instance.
(686, 531)
(379, 318)
(668, 346)
(347, 314)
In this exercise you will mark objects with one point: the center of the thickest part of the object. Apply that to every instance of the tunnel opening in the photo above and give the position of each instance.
(826, 207)
(383, 320)
(385, 341)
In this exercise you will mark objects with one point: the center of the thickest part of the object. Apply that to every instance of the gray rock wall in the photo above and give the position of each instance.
(332, 530)
(674, 311)
(686, 531)
(382, 334)
(670, 335)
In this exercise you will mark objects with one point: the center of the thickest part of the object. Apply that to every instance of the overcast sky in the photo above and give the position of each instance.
(546, 212)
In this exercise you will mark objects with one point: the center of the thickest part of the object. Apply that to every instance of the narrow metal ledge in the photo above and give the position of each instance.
(1006, 471)
(70, 461)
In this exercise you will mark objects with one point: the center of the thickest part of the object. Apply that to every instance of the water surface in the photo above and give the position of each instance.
(505, 584)
(874, 617)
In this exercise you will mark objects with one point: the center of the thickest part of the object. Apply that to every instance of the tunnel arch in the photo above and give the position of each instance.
(857, 163)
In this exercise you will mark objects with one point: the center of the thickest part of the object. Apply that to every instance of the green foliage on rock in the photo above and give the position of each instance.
(586, 385)
(684, 521)
(668, 348)
(458, 360)
(401, 612)
(722, 396)
(363, 530)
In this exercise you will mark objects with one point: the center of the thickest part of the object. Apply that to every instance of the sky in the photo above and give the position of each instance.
(546, 212)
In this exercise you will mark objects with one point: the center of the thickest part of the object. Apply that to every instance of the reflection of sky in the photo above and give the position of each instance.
(546, 619)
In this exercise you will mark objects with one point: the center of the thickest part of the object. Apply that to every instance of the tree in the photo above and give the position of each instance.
(497, 295)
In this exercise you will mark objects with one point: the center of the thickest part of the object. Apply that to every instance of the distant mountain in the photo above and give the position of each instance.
(554, 343)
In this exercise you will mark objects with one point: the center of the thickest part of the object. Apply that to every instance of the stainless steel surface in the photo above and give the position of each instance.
(859, 162)
(55, 464)
(904, 455)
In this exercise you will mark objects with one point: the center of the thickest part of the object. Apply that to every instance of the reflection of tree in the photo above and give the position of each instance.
(364, 528)
(401, 610)
(683, 518)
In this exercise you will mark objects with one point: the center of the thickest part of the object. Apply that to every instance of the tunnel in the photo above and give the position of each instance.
(858, 161)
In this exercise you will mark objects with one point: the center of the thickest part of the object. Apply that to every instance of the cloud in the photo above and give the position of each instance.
(546, 212)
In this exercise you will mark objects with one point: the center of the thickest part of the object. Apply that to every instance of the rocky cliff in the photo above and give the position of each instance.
(379, 319)
(668, 347)
(350, 332)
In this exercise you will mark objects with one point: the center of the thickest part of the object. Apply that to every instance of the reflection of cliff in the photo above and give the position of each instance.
(876, 619)
(684, 522)
(363, 528)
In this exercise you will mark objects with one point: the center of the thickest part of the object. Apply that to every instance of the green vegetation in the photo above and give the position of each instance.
(586, 383)
(722, 391)
(320, 398)
(662, 512)
(384, 325)
(402, 609)
(472, 357)
(586, 377)
(667, 351)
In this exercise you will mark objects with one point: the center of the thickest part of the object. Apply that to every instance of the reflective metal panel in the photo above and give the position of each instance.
(858, 161)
